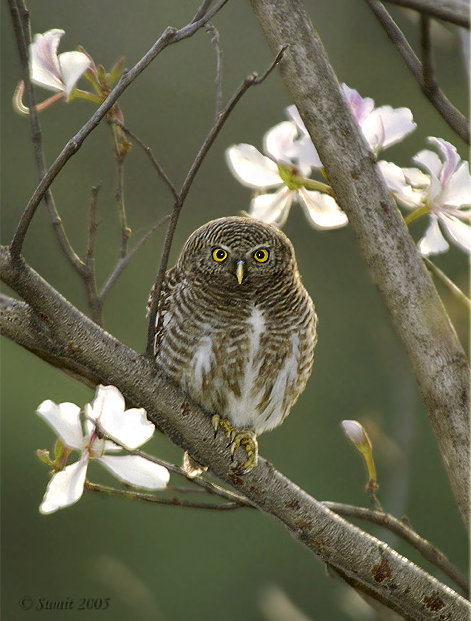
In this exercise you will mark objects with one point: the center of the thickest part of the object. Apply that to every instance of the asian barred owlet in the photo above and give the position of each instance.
(236, 329)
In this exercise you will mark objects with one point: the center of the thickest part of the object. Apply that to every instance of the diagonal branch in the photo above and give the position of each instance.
(168, 37)
(453, 11)
(375, 568)
(403, 530)
(436, 356)
(457, 121)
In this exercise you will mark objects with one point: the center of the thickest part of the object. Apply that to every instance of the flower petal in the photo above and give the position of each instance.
(252, 168)
(108, 400)
(136, 470)
(457, 191)
(450, 158)
(321, 210)
(43, 62)
(65, 487)
(303, 151)
(73, 65)
(278, 141)
(360, 106)
(429, 160)
(272, 208)
(130, 427)
(459, 231)
(395, 179)
(416, 177)
(433, 241)
(65, 420)
(386, 126)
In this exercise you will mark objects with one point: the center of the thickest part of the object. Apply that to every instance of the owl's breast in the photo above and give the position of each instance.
(247, 371)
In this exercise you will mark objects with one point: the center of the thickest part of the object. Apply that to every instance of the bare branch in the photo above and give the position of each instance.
(168, 37)
(398, 527)
(448, 283)
(249, 81)
(457, 121)
(428, 73)
(436, 356)
(20, 17)
(214, 34)
(375, 568)
(123, 261)
(148, 151)
(453, 11)
(174, 502)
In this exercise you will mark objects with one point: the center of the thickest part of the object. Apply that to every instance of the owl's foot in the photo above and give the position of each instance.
(246, 438)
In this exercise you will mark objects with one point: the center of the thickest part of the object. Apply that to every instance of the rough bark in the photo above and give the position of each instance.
(55, 330)
(436, 356)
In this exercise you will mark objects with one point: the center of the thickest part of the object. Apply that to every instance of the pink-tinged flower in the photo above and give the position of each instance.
(129, 427)
(55, 72)
(381, 127)
(276, 171)
(448, 198)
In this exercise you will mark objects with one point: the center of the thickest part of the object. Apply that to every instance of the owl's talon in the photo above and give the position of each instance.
(246, 439)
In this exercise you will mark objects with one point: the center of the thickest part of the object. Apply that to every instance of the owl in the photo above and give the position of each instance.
(236, 328)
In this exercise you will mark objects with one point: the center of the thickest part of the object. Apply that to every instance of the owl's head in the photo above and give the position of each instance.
(237, 253)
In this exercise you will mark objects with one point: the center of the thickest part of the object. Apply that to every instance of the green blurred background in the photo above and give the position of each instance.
(166, 563)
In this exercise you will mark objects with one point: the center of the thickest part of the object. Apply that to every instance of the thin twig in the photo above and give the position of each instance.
(168, 37)
(208, 486)
(123, 261)
(175, 502)
(428, 74)
(249, 81)
(457, 121)
(119, 194)
(453, 11)
(21, 27)
(89, 274)
(426, 549)
(447, 282)
(214, 34)
(148, 151)
(202, 10)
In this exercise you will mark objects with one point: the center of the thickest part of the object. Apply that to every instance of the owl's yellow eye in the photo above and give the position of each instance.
(219, 255)
(261, 255)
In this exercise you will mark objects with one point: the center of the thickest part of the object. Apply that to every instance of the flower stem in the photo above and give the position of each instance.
(418, 213)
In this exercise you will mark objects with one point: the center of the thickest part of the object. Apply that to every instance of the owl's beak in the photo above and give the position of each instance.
(240, 271)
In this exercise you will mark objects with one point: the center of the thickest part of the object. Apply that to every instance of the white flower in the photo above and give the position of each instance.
(381, 127)
(130, 427)
(448, 197)
(408, 185)
(261, 173)
(55, 72)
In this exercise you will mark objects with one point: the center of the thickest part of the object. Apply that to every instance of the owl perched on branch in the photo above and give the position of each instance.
(236, 329)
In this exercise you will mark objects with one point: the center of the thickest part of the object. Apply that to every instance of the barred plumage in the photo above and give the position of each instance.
(236, 330)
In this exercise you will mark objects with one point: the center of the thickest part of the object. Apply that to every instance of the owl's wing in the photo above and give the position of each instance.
(168, 286)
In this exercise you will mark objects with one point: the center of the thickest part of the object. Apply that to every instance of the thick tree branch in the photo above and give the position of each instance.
(438, 361)
(403, 530)
(77, 342)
